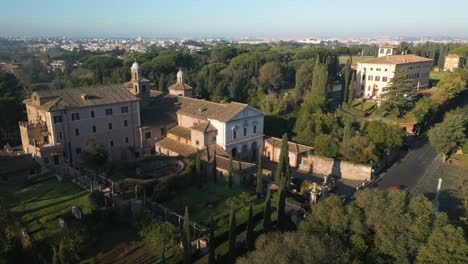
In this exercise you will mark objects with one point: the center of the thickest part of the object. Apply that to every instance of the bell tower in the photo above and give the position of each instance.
(138, 85)
(136, 71)
(180, 76)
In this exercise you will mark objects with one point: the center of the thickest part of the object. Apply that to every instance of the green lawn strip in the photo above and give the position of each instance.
(39, 205)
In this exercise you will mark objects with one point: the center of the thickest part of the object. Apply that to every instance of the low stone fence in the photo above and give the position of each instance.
(339, 168)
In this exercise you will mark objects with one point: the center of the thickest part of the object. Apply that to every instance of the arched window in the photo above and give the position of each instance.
(234, 132)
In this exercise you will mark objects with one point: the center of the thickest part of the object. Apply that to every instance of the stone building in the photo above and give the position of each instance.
(61, 121)
(453, 62)
(375, 74)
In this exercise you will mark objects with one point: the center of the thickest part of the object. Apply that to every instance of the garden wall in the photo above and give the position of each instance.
(328, 166)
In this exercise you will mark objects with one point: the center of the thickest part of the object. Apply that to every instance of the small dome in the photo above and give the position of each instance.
(135, 65)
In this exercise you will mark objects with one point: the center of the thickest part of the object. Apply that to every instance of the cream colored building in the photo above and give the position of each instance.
(374, 75)
(195, 124)
(387, 50)
(61, 121)
(453, 62)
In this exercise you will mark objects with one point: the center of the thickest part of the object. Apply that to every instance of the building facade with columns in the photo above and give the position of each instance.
(373, 75)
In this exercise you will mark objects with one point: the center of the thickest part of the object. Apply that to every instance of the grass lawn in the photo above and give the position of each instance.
(343, 59)
(213, 201)
(39, 205)
(437, 75)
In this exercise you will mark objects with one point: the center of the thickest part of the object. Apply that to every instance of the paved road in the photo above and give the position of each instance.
(413, 168)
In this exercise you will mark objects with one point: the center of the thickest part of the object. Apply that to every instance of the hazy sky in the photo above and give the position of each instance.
(235, 18)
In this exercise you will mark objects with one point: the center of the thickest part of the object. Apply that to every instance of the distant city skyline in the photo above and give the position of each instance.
(274, 19)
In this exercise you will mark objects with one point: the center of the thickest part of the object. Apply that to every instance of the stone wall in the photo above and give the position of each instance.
(328, 166)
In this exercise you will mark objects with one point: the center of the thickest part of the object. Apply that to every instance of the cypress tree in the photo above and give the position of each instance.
(345, 80)
(259, 183)
(186, 238)
(232, 235)
(347, 130)
(250, 231)
(55, 259)
(351, 89)
(198, 168)
(230, 172)
(214, 168)
(283, 162)
(212, 246)
(282, 205)
(267, 213)
(162, 85)
(61, 253)
(162, 260)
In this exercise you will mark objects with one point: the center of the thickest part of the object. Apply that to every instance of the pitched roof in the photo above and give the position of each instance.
(293, 146)
(396, 59)
(209, 110)
(71, 98)
(176, 146)
(180, 87)
(198, 108)
(204, 127)
(180, 131)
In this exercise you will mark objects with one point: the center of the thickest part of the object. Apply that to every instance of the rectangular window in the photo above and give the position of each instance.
(384, 79)
(126, 139)
(245, 131)
(369, 78)
(125, 123)
(197, 142)
(377, 78)
(148, 135)
(94, 129)
(110, 126)
(57, 119)
(213, 139)
(234, 134)
(124, 109)
(75, 116)
(111, 143)
(77, 132)
(108, 111)
(255, 129)
(60, 134)
(92, 114)
(78, 150)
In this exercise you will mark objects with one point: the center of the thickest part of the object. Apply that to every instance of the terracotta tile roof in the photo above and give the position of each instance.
(396, 59)
(180, 131)
(208, 110)
(180, 87)
(201, 109)
(293, 146)
(176, 146)
(204, 127)
(71, 98)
